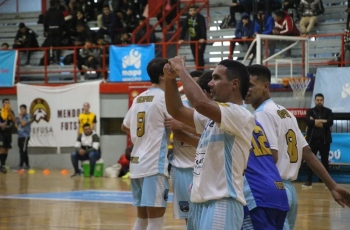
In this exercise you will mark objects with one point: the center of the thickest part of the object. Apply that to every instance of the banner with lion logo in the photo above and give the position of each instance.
(55, 111)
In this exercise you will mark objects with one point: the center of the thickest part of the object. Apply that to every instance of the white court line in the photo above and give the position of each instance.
(321, 213)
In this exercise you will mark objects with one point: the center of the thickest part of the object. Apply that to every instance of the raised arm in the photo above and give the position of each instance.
(199, 101)
(186, 137)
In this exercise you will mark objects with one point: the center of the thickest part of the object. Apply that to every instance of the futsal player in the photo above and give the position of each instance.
(148, 163)
(287, 143)
(223, 150)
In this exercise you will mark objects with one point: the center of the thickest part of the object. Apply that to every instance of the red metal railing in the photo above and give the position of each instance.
(104, 67)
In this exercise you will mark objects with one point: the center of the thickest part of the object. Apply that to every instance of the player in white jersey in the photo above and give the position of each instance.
(222, 154)
(286, 141)
(148, 162)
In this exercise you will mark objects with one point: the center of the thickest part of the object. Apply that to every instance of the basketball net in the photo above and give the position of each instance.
(299, 86)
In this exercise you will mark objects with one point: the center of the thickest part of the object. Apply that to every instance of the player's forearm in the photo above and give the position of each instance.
(173, 99)
(192, 90)
(317, 167)
(189, 129)
(186, 137)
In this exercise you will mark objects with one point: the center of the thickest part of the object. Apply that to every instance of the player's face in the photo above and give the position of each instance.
(220, 88)
(255, 92)
(86, 108)
(319, 101)
(87, 130)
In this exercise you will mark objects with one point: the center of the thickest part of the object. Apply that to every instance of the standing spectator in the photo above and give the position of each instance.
(309, 10)
(86, 117)
(7, 121)
(110, 23)
(5, 46)
(87, 147)
(23, 121)
(319, 122)
(171, 14)
(284, 25)
(25, 38)
(196, 26)
(53, 29)
(244, 30)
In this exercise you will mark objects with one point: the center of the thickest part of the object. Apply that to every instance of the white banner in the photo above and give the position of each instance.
(55, 111)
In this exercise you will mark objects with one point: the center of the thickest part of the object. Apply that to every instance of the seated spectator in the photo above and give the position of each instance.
(87, 9)
(83, 33)
(291, 7)
(87, 147)
(264, 24)
(123, 39)
(284, 25)
(244, 30)
(309, 10)
(171, 14)
(5, 46)
(143, 31)
(79, 18)
(89, 58)
(124, 161)
(122, 8)
(113, 6)
(25, 38)
(110, 23)
(235, 7)
(130, 21)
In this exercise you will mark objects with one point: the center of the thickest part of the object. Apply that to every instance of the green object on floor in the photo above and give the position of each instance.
(98, 168)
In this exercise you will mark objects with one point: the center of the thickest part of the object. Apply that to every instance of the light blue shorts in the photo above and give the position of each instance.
(223, 214)
(151, 191)
(293, 205)
(182, 178)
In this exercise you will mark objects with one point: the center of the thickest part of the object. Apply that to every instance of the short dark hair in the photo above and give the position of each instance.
(105, 6)
(23, 106)
(5, 44)
(193, 7)
(196, 73)
(155, 69)
(319, 95)
(236, 70)
(5, 99)
(86, 125)
(204, 80)
(261, 72)
(280, 13)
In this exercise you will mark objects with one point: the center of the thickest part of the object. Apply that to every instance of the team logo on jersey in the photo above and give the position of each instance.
(166, 192)
(184, 206)
(40, 110)
(345, 91)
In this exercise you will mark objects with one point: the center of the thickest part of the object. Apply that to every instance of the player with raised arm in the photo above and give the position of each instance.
(223, 150)
(287, 143)
(148, 162)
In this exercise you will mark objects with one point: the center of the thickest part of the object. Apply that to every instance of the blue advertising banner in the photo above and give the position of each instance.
(129, 63)
(340, 149)
(334, 84)
(8, 59)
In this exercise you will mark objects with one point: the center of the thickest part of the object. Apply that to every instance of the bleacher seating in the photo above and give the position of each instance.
(321, 49)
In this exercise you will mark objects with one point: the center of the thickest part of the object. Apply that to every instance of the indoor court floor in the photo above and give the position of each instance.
(54, 201)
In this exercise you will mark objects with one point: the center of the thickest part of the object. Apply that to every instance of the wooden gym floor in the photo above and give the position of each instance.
(49, 202)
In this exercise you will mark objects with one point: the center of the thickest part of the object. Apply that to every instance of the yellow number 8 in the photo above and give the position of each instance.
(292, 146)
(140, 124)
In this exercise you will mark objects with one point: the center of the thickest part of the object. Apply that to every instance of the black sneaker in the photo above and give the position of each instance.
(76, 175)
(3, 169)
(307, 185)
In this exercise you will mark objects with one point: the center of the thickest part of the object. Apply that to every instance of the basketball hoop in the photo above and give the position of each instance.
(299, 86)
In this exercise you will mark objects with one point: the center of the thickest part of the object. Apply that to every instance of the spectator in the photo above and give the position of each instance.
(319, 122)
(83, 33)
(284, 25)
(130, 20)
(86, 117)
(23, 121)
(87, 9)
(264, 24)
(235, 7)
(123, 39)
(5, 46)
(244, 30)
(122, 8)
(7, 121)
(89, 58)
(87, 147)
(113, 6)
(196, 26)
(291, 7)
(171, 14)
(53, 29)
(80, 18)
(309, 10)
(124, 161)
(143, 31)
(25, 38)
(110, 23)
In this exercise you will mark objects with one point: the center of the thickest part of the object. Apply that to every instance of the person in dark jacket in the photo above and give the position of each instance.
(309, 10)
(143, 31)
(319, 122)
(195, 25)
(264, 24)
(110, 23)
(244, 30)
(25, 38)
(53, 29)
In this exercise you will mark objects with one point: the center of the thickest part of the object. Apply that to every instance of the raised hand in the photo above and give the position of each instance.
(177, 63)
(169, 72)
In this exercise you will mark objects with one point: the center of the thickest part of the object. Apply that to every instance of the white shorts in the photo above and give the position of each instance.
(182, 178)
(151, 191)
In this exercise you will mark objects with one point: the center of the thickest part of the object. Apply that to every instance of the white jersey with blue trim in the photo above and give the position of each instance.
(222, 154)
(283, 133)
(183, 154)
(145, 119)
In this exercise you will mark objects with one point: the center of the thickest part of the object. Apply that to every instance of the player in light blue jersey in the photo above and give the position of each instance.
(288, 146)
(264, 191)
(223, 150)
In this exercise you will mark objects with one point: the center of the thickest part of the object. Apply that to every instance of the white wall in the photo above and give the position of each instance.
(23, 6)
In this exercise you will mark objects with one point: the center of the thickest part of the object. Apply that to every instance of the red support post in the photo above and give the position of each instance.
(75, 65)
(43, 6)
(45, 65)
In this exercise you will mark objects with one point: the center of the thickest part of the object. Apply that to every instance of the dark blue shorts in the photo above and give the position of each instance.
(264, 219)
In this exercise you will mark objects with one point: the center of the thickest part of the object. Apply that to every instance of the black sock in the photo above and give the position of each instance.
(3, 159)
